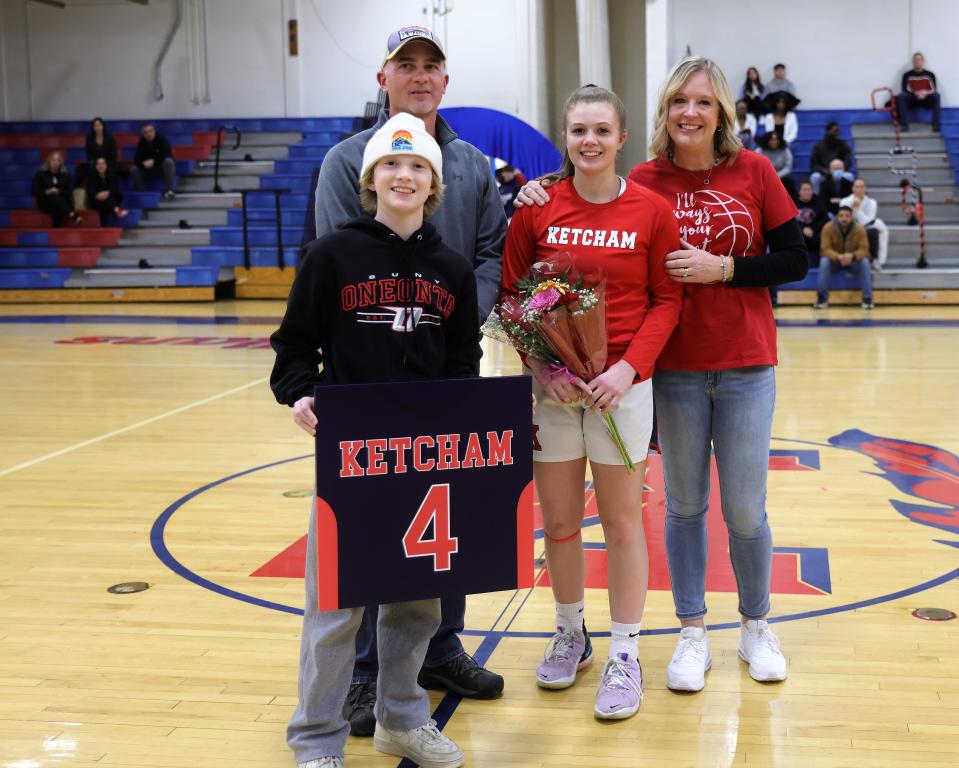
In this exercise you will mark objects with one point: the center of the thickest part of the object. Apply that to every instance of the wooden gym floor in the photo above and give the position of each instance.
(142, 443)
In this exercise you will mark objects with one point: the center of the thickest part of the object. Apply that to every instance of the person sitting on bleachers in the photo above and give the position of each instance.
(779, 81)
(99, 143)
(783, 121)
(864, 209)
(843, 245)
(154, 156)
(918, 91)
(103, 193)
(745, 125)
(772, 147)
(53, 190)
(510, 182)
(824, 152)
(752, 92)
(836, 186)
(812, 217)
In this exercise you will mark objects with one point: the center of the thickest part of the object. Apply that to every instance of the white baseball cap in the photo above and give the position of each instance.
(402, 134)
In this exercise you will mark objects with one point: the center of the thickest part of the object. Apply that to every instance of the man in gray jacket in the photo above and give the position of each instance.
(472, 222)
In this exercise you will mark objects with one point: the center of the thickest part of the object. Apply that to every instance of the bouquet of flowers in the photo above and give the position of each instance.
(559, 318)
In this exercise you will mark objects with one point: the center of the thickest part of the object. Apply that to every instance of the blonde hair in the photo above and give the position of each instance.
(57, 153)
(368, 199)
(725, 142)
(587, 94)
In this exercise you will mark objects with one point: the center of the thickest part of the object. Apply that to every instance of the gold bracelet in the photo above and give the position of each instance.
(732, 268)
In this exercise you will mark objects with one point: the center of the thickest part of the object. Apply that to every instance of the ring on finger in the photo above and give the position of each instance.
(685, 271)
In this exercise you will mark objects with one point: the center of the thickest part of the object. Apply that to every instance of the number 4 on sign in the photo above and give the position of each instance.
(435, 509)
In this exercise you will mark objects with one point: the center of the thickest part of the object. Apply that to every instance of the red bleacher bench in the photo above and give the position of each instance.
(42, 140)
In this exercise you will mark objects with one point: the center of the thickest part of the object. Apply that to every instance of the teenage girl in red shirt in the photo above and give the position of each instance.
(609, 222)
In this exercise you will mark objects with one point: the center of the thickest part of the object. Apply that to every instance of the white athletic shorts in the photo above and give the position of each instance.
(567, 432)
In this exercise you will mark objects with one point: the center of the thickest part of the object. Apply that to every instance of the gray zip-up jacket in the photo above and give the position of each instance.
(471, 220)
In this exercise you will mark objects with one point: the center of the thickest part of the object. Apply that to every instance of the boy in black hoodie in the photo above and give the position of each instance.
(380, 299)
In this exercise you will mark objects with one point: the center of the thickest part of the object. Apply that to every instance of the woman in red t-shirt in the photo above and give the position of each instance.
(606, 222)
(715, 385)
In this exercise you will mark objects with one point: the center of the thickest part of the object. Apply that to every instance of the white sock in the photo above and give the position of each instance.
(569, 616)
(624, 639)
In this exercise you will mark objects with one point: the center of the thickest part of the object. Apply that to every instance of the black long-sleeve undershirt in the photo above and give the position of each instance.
(785, 262)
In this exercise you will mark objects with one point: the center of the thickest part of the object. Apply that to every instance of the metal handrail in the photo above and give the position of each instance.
(280, 257)
(912, 204)
(219, 142)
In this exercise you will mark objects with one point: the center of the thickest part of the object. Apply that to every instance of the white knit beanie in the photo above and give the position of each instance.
(403, 134)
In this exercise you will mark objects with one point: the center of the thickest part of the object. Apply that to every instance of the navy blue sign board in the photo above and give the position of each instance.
(424, 489)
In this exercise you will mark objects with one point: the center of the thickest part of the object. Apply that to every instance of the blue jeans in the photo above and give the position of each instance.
(731, 411)
(906, 100)
(444, 646)
(827, 268)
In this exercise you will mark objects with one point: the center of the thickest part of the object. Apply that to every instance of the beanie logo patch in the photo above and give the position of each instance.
(402, 142)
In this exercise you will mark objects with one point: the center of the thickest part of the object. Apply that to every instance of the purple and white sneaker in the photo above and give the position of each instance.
(566, 654)
(621, 689)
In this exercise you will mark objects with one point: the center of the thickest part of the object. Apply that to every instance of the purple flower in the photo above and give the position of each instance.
(544, 301)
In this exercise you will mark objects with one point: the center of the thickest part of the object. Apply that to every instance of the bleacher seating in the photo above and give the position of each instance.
(197, 240)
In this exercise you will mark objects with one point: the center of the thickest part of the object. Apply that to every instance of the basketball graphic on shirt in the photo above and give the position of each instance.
(732, 231)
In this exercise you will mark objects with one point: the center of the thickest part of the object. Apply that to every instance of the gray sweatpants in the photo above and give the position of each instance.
(327, 651)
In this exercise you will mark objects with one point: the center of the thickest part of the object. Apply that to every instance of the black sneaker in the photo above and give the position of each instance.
(463, 676)
(358, 708)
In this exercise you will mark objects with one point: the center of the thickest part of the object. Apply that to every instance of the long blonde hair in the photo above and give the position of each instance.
(587, 94)
(725, 142)
(46, 163)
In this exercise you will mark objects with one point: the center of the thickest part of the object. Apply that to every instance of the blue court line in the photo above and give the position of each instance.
(237, 320)
(166, 557)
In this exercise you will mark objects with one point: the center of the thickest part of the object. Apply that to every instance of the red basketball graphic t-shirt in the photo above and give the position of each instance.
(722, 326)
(629, 238)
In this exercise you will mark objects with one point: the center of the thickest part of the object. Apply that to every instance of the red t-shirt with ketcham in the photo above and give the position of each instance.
(722, 326)
(629, 238)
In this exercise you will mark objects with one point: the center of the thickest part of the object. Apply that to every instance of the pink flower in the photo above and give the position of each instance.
(544, 301)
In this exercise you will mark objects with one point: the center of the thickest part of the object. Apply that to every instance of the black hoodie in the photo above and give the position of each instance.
(372, 307)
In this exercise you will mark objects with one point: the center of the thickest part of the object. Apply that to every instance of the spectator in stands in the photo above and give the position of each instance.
(510, 183)
(836, 186)
(918, 91)
(783, 121)
(745, 125)
(154, 156)
(824, 152)
(471, 222)
(864, 209)
(812, 217)
(781, 157)
(100, 143)
(843, 246)
(103, 193)
(752, 92)
(779, 81)
(53, 190)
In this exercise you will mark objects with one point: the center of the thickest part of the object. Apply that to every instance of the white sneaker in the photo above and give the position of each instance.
(426, 746)
(691, 659)
(323, 762)
(759, 647)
